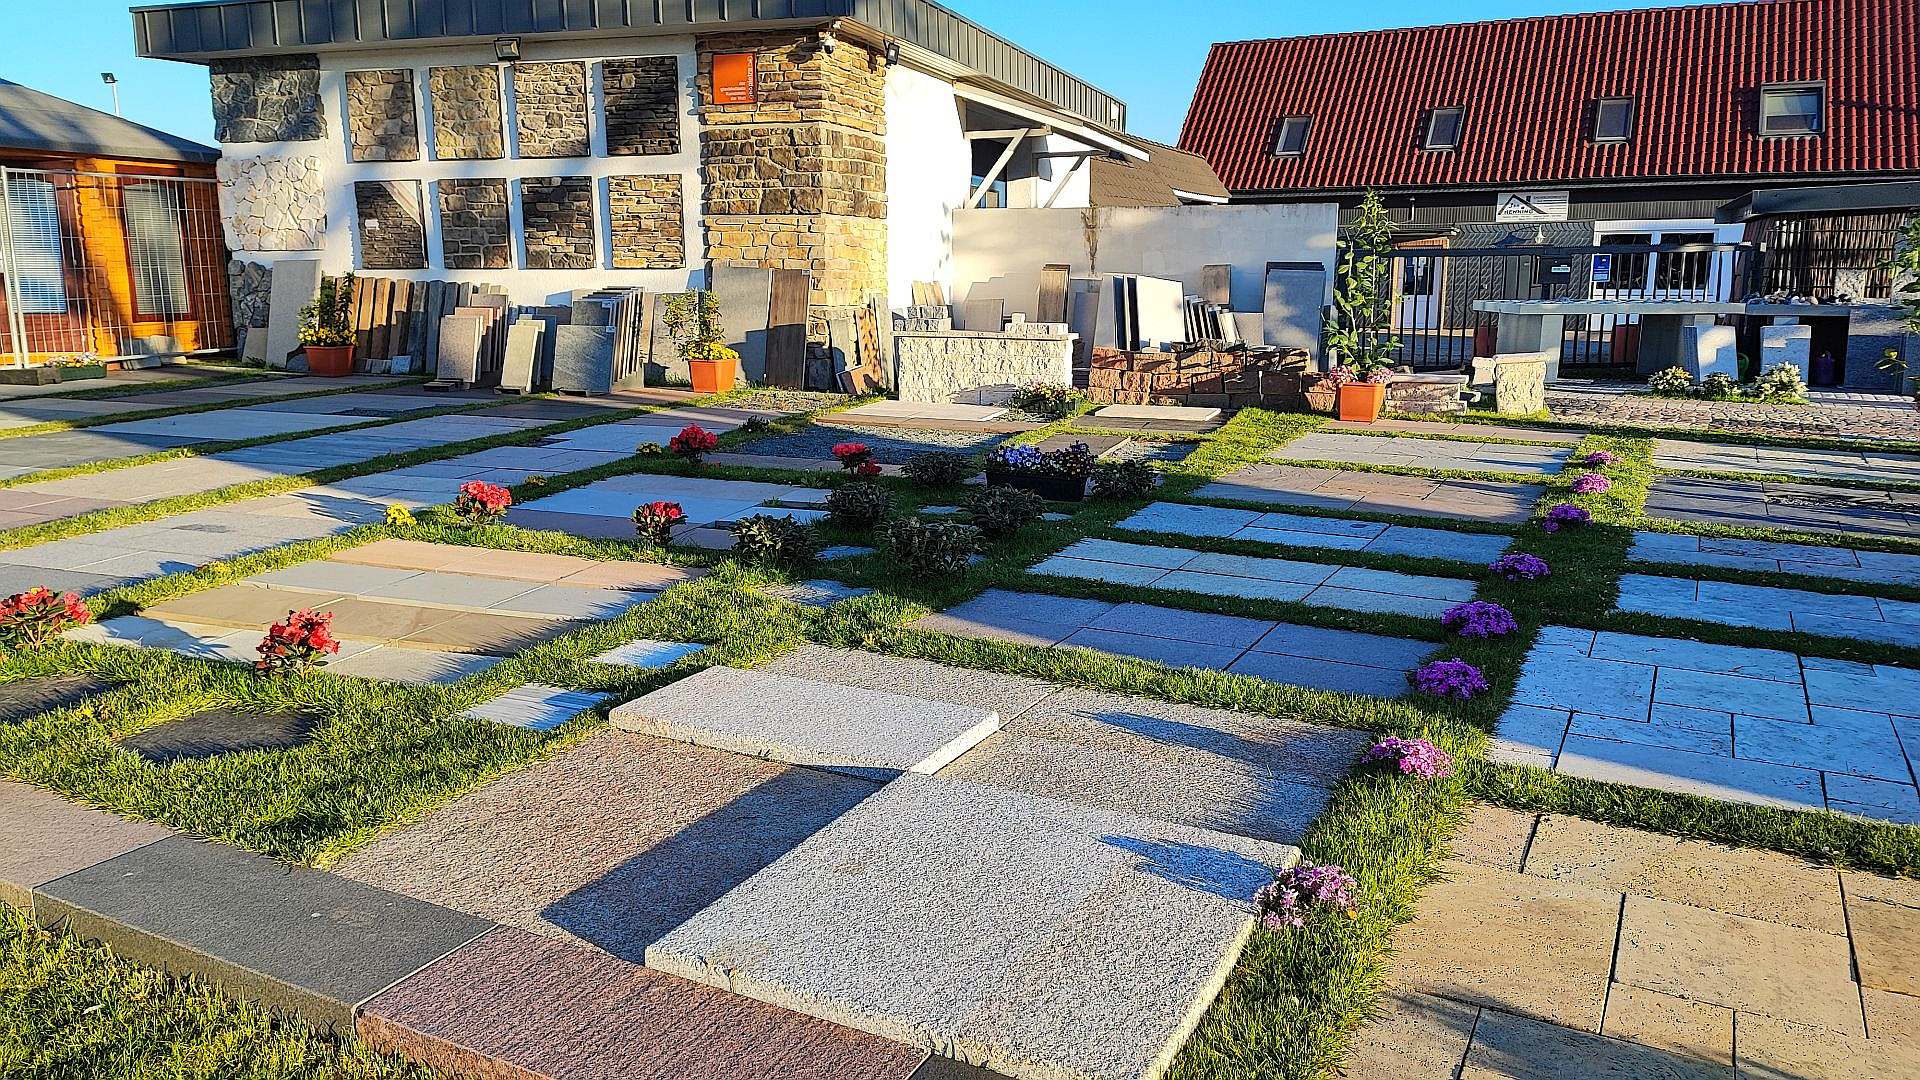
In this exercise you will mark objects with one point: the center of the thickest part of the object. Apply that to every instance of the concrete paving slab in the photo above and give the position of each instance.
(414, 667)
(1007, 696)
(865, 733)
(647, 653)
(487, 633)
(1180, 413)
(314, 943)
(572, 602)
(818, 594)
(1508, 1047)
(1533, 460)
(536, 707)
(1288, 485)
(48, 837)
(252, 607)
(216, 732)
(23, 699)
(1709, 775)
(882, 921)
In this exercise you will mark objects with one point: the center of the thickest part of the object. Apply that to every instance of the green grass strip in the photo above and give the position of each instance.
(187, 410)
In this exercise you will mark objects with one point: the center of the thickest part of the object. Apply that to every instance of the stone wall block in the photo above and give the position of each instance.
(550, 109)
(380, 116)
(475, 230)
(466, 112)
(272, 203)
(648, 214)
(557, 221)
(642, 105)
(392, 236)
(268, 99)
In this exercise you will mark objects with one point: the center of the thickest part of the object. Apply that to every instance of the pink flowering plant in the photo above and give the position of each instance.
(1591, 484)
(1600, 459)
(33, 618)
(853, 455)
(301, 642)
(481, 501)
(1412, 757)
(1453, 678)
(655, 521)
(1299, 891)
(1520, 566)
(1480, 620)
(1566, 516)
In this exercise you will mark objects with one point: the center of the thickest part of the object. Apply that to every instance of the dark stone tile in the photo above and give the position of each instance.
(221, 731)
(313, 943)
(31, 697)
(588, 526)
(1101, 445)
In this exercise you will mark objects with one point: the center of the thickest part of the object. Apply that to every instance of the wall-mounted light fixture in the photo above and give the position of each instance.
(112, 81)
(828, 42)
(507, 49)
(893, 53)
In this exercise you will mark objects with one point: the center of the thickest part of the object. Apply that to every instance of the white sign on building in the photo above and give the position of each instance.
(1526, 207)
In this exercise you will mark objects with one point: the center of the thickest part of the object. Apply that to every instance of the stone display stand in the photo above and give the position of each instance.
(1427, 394)
(475, 230)
(466, 113)
(272, 203)
(550, 106)
(1203, 378)
(557, 220)
(1787, 343)
(1710, 350)
(392, 234)
(1520, 384)
(984, 367)
(380, 123)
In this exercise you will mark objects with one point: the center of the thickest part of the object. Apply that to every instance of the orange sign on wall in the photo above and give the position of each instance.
(735, 79)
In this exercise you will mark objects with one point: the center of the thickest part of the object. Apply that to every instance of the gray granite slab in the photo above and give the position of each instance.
(784, 718)
(26, 698)
(1290, 485)
(1007, 696)
(536, 707)
(648, 653)
(1411, 452)
(215, 732)
(1087, 953)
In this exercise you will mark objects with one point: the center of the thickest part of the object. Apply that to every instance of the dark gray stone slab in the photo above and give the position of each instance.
(58, 449)
(312, 943)
(31, 697)
(214, 732)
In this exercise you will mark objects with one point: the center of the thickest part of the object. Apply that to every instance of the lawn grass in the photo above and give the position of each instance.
(184, 410)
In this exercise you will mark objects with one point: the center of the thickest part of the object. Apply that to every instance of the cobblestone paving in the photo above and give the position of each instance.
(1890, 420)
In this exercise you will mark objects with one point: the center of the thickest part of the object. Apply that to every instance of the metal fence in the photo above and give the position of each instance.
(110, 265)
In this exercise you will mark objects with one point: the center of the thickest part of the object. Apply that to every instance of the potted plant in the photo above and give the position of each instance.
(326, 328)
(79, 368)
(1059, 475)
(693, 322)
(1358, 338)
(1905, 268)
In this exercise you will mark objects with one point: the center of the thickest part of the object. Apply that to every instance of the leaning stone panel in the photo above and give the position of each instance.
(643, 101)
(648, 215)
(550, 110)
(475, 233)
(466, 112)
(391, 237)
(268, 99)
(272, 203)
(556, 215)
(380, 121)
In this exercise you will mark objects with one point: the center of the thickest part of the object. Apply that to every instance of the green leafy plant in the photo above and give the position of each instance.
(693, 323)
(1047, 399)
(1002, 511)
(1673, 382)
(1720, 386)
(939, 468)
(1781, 382)
(773, 541)
(932, 548)
(1359, 336)
(859, 505)
(326, 322)
(1124, 479)
(1905, 268)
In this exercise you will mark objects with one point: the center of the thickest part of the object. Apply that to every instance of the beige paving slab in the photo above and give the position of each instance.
(1694, 1029)
(1892, 1017)
(1507, 1047)
(1770, 1049)
(519, 565)
(632, 575)
(1739, 881)
(1902, 891)
(402, 555)
(1741, 963)
(1494, 836)
(248, 607)
(494, 635)
(1886, 944)
(1512, 941)
(1412, 1037)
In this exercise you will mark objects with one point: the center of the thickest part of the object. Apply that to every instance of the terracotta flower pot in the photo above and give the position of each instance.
(713, 376)
(1360, 402)
(330, 361)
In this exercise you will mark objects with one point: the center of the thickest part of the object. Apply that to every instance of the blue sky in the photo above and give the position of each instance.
(1131, 48)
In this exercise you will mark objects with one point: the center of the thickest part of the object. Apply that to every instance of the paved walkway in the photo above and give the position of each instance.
(1560, 949)
(1301, 530)
(1799, 507)
(1413, 452)
(1866, 618)
(1381, 493)
(1810, 560)
(1889, 418)
(1860, 465)
(18, 411)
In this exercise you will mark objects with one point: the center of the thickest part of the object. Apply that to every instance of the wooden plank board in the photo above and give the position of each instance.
(362, 316)
(1216, 284)
(380, 329)
(1052, 307)
(787, 330)
(866, 375)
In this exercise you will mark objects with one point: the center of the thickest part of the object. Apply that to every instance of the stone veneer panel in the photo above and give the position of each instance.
(550, 110)
(272, 203)
(380, 117)
(391, 233)
(268, 99)
(556, 217)
(642, 105)
(466, 112)
(648, 215)
(475, 232)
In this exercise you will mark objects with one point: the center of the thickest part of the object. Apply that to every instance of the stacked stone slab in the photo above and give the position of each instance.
(1201, 378)
(648, 214)
(642, 95)
(380, 120)
(392, 234)
(476, 232)
(268, 99)
(557, 221)
(466, 112)
(272, 203)
(550, 110)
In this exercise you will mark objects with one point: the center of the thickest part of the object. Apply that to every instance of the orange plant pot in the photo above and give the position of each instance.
(330, 361)
(1360, 402)
(713, 376)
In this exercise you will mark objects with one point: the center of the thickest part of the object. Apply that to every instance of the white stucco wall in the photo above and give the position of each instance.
(929, 165)
(524, 286)
(1169, 242)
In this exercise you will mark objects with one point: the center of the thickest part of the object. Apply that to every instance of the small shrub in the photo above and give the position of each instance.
(1781, 382)
(1124, 479)
(859, 505)
(300, 643)
(1046, 399)
(1720, 386)
(1074, 462)
(854, 457)
(774, 541)
(1412, 757)
(1600, 459)
(1673, 382)
(693, 443)
(480, 501)
(1591, 484)
(655, 521)
(1002, 511)
(399, 516)
(932, 547)
(939, 468)
(1520, 566)
(1480, 619)
(1566, 516)
(1453, 678)
(1298, 891)
(30, 619)
(756, 425)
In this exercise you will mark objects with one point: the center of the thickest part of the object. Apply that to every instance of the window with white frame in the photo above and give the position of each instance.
(1290, 136)
(1613, 120)
(1443, 128)
(33, 213)
(156, 250)
(1793, 110)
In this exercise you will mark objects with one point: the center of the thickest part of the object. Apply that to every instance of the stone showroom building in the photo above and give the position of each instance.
(577, 144)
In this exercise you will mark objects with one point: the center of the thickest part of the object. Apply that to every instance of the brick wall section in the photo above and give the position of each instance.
(642, 105)
(391, 236)
(466, 112)
(475, 231)
(268, 99)
(556, 217)
(550, 110)
(797, 179)
(1204, 378)
(380, 116)
(648, 214)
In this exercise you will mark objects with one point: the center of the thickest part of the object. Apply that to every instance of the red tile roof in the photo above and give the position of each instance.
(1529, 84)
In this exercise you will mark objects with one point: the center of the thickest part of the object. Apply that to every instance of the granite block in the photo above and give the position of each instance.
(27, 698)
(47, 837)
(647, 653)
(536, 707)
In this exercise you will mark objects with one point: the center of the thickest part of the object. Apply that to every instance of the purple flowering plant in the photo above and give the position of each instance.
(1591, 484)
(1600, 459)
(1480, 619)
(1412, 757)
(1521, 566)
(1453, 678)
(1297, 891)
(1566, 516)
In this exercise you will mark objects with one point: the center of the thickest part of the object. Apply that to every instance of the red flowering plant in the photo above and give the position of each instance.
(37, 616)
(854, 456)
(481, 501)
(300, 643)
(655, 521)
(693, 443)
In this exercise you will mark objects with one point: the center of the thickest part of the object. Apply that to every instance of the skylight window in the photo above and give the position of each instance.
(1443, 128)
(1793, 110)
(1290, 136)
(1613, 120)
